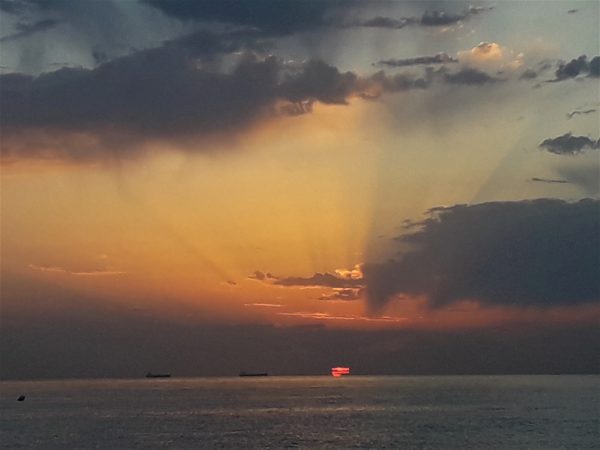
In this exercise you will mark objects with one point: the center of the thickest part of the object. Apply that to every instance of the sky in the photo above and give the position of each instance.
(205, 187)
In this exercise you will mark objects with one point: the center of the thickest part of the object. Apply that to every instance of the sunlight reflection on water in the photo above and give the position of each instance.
(304, 412)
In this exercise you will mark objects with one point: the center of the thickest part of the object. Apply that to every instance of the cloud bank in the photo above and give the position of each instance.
(205, 84)
(271, 16)
(539, 253)
(430, 18)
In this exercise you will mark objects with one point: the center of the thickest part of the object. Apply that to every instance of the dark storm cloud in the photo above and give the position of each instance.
(576, 67)
(93, 31)
(469, 76)
(540, 253)
(23, 6)
(176, 91)
(438, 18)
(572, 68)
(14, 6)
(320, 280)
(440, 58)
(179, 92)
(386, 22)
(567, 144)
(153, 92)
(402, 81)
(27, 29)
(319, 81)
(282, 17)
(594, 67)
(428, 19)
(163, 92)
(441, 18)
(272, 16)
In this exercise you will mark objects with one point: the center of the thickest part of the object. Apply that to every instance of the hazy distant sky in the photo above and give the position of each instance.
(204, 186)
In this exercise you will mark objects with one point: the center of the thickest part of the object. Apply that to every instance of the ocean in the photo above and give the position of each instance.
(395, 412)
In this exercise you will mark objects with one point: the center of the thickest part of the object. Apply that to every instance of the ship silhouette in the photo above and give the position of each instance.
(157, 375)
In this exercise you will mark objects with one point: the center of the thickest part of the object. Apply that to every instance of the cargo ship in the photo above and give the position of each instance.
(253, 374)
(158, 375)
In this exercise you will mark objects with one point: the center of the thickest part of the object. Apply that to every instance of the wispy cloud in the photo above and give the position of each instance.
(433, 18)
(549, 180)
(440, 58)
(578, 112)
(264, 305)
(343, 295)
(326, 316)
(77, 273)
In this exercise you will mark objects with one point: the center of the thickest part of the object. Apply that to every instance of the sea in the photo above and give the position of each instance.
(352, 412)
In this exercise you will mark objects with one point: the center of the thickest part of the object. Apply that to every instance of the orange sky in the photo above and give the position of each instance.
(373, 168)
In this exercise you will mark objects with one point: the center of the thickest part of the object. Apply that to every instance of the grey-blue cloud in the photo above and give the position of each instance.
(174, 91)
(270, 16)
(531, 253)
(280, 17)
(567, 144)
(27, 29)
(440, 58)
(320, 280)
(578, 66)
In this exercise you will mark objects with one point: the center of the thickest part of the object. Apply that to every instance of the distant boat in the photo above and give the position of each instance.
(254, 374)
(158, 375)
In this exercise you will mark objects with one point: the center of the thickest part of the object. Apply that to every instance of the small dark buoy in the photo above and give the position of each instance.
(21, 398)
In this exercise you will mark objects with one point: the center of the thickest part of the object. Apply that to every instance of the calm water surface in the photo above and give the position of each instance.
(462, 412)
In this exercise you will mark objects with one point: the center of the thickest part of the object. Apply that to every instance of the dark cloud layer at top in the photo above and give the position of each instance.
(282, 17)
(440, 18)
(27, 29)
(165, 92)
(432, 18)
(16, 6)
(179, 90)
(530, 253)
(272, 16)
(567, 144)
